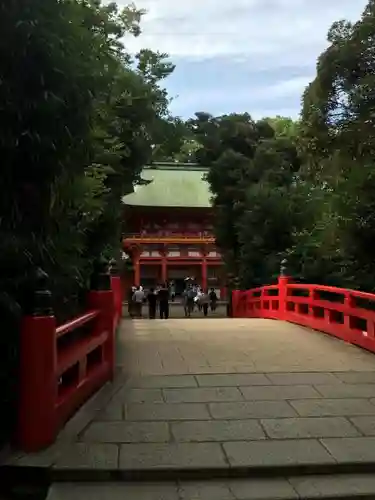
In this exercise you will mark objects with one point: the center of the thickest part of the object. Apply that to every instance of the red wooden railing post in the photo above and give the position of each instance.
(116, 287)
(235, 303)
(37, 425)
(283, 292)
(101, 298)
(117, 298)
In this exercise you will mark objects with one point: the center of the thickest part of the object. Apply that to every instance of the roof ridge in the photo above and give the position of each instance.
(172, 186)
(175, 166)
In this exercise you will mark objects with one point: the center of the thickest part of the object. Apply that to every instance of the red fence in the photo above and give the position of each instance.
(116, 286)
(61, 367)
(346, 314)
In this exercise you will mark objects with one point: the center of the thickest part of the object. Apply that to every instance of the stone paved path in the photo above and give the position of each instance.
(226, 394)
(204, 346)
(176, 311)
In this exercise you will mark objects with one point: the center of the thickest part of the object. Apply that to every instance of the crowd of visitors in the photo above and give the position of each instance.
(193, 297)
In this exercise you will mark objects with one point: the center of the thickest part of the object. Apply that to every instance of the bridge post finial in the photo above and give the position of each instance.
(40, 296)
(113, 267)
(283, 267)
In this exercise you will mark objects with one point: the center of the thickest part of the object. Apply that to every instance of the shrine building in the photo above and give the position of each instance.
(169, 229)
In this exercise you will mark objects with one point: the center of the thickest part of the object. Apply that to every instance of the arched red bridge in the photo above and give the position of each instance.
(228, 396)
(347, 314)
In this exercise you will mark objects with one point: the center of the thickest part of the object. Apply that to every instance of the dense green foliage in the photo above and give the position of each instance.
(304, 190)
(79, 120)
(337, 143)
(252, 175)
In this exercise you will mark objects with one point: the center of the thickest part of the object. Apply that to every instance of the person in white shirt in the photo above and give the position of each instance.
(138, 298)
(197, 298)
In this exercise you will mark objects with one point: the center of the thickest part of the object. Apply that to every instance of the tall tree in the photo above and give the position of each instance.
(338, 145)
(250, 173)
(79, 119)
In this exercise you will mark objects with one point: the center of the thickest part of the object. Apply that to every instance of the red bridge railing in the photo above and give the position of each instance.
(346, 314)
(62, 366)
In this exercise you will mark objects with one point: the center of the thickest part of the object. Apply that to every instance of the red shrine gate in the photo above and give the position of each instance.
(170, 233)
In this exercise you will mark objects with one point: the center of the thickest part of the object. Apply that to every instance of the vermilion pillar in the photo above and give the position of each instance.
(136, 254)
(283, 296)
(204, 275)
(137, 272)
(164, 269)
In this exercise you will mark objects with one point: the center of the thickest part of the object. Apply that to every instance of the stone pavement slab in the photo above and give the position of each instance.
(202, 395)
(315, 427)
(359, 377)
(166, 412)
(303, 378)
(114, 410)
(365, 424)
(275, 489)
(347, 390)
(351, 449)
(218, 430)
(127, 432)
(274, 392)
(251, 409)
(88, 456)
(128, 395)
(172, 456)
(277, 453)
(163, 381)
(335, 486)
(232, 380)
(113, 491)
(333, 407)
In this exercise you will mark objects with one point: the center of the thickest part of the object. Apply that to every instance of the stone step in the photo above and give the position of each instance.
(328, 487)
(42, 473)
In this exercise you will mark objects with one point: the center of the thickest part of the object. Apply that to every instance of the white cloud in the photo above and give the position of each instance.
(257, 92)
(243, 39)
(293, 29)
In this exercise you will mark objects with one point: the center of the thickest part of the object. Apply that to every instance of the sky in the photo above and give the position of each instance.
(254, 56)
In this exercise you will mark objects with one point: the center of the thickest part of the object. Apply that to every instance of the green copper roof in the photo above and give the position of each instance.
(172, 185)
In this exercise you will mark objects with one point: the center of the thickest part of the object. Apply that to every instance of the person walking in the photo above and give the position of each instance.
(152, 300)
(131, 301)
(173, 291)
(163, 296)
(199, 293)
(213, 300)
(185, 302)
(204, 300)
(138, 298)
(190, 296)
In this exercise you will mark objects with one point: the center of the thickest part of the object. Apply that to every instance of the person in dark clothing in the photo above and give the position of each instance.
(152, 299)
(213, 300)
(163, 296)
(204, 300)
(190, 295)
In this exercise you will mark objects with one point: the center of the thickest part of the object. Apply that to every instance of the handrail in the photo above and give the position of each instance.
(60, 370)
(333, 289)
(76, 323)
(340, 314)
